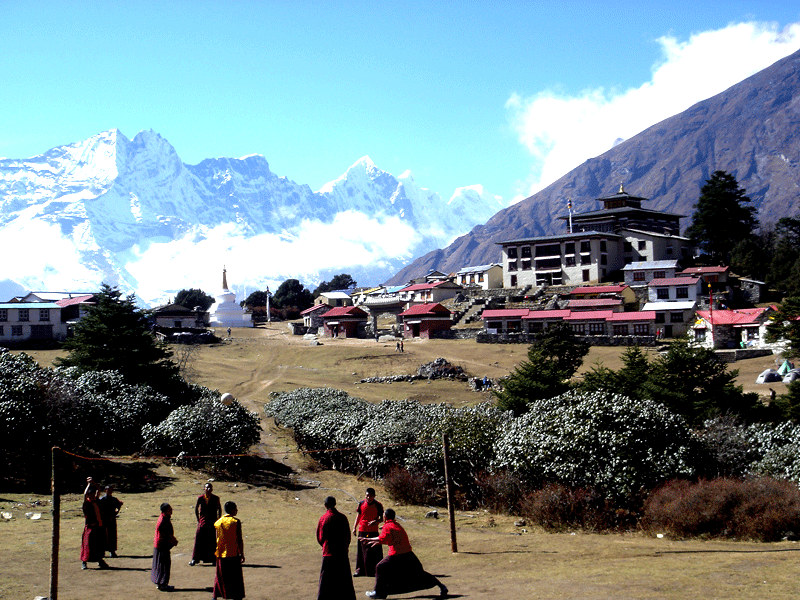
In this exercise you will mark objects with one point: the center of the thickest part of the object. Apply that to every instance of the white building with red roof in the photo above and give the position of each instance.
(740, 328)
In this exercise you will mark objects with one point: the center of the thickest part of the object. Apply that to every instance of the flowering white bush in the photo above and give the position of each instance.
(612, 443)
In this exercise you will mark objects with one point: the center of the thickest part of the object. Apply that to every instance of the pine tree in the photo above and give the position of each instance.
(553, 358)
(115, 336)
(722, 218)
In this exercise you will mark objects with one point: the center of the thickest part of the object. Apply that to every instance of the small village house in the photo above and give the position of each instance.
(424, 320)
(485, 277)
(741, 328)
(344, 321)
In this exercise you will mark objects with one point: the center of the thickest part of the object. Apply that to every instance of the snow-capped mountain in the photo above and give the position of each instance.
(131, 213)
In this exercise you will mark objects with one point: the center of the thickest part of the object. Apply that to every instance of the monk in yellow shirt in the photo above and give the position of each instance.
(229, 581)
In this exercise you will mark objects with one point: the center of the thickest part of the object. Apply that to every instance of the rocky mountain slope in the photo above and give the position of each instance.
(749, 130)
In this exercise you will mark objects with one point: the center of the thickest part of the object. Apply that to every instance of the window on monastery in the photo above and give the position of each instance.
(660, 317)
(578, 328)
(480, 277)
(627, 247)
(3, 314)
(512, 252)
(641, 329)
(548, 250)
(621, 329)
(642, 245)
(513, 281)
(44, 314)
(535, 326)
(676, 317)
(512, 265)
(569, 261)
(1, 331)
(586, 246)
(586, 275)
(662, 293)
(23, 315)
(569, 248)
(659, 274)
(603, 259)
(699, 335)
(597, 328)
(526, 252)
(16, 330)
(603, 247)
(586, 259)
(682, 292)
(526, 264)
(669, 250)
(638, 275)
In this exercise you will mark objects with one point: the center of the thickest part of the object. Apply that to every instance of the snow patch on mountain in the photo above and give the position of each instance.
(131, 213)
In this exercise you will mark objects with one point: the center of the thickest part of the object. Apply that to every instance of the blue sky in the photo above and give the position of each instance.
(509, 95)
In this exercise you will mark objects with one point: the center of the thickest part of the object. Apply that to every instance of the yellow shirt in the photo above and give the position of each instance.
(229, 537)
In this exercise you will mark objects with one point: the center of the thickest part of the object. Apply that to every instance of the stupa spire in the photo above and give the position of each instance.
(224, 278)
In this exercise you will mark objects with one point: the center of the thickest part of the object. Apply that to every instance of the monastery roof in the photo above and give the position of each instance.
(669, 305)
(428, 286)
(314, 308)
(565, 236)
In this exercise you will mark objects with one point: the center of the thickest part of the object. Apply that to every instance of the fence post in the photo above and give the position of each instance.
(449, 483)
(55, 539)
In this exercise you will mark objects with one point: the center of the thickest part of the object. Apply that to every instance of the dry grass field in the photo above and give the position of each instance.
(495, 559)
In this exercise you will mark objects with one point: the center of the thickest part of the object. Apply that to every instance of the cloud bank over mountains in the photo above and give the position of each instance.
(562, 130)
(130, 213)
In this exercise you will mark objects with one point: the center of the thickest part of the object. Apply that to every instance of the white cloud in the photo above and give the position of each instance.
(53, 266)
(562, 131)
(196, 260)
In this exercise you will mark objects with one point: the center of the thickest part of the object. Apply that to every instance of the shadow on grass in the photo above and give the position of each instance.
(252, 470)
(125, 475)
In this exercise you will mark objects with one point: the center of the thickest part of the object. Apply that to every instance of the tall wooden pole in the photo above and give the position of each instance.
(56, 504)
(449, 482)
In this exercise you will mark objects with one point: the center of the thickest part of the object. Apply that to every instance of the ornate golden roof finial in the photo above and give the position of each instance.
(621, 189)
(224, 278)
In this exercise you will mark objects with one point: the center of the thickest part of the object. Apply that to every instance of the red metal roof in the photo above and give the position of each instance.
(674, 281)
(425, 286)
(642, 315)
(589, 315)
(500, 313)
(741, 316)
(429, 308)
(314, 308)
(344, 311)
(589, 302)
(75, 300)
(598, 289)
(703, 270)
(547, 314)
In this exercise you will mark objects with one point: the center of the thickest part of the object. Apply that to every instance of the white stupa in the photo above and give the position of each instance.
(225, 312)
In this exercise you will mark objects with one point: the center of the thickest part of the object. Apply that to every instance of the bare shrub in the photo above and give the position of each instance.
(406, 487)
(556, 507)
(499, 492)
(762, 509)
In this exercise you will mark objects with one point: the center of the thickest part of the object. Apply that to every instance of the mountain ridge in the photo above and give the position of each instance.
(108, 201)
(747, 130)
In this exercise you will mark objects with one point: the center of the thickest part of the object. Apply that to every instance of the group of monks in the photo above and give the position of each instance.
(219, 540)
(398, 573)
